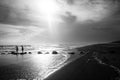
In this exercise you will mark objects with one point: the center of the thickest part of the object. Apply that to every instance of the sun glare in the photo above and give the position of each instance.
(42, 59)
(49, 8)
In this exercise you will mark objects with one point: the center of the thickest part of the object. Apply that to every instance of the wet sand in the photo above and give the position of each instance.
(82, 69)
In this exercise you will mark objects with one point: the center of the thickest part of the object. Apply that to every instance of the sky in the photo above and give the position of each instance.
(59, 21)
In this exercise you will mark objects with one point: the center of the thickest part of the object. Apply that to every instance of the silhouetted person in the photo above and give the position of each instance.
(16, 49)
(22, 49)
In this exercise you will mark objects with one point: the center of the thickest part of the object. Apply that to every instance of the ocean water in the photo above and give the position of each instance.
(31, 66)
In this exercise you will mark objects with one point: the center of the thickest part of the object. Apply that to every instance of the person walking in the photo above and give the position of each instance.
(22, 47)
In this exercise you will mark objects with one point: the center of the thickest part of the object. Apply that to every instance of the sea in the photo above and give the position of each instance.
(34, 63)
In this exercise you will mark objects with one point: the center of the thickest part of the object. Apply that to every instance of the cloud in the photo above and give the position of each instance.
(77, 21)
(21, 13)
(84, 10)
(89, 33)
(68, 18)
(89, 21)
(91, 29)
(11, 34)
(21, 21)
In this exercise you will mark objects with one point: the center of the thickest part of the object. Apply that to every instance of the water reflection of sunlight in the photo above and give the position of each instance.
(50, 49)
(43, 60)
